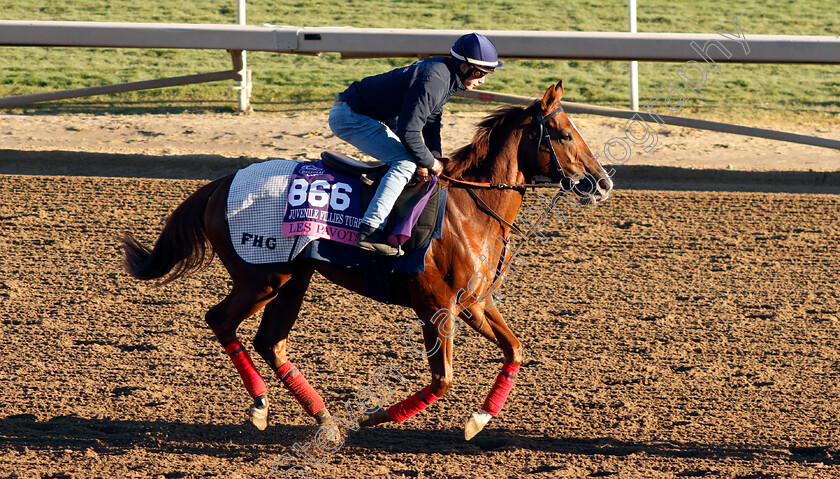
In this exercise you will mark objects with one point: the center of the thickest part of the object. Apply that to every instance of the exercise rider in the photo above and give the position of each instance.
(395, 118)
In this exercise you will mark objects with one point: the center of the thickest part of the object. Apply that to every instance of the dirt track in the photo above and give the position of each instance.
(668, 334)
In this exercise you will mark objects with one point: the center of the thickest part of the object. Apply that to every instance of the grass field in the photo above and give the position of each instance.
(809, 93)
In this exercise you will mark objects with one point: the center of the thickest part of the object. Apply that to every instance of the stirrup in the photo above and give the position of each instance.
(372, 239)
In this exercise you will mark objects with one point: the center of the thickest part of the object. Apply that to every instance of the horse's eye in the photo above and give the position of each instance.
(566, 136)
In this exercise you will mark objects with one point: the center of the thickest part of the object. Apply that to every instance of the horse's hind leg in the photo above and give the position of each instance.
(245, 299)
(272, 338)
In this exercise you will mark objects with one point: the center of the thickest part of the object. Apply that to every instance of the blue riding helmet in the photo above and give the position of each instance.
(475, 49)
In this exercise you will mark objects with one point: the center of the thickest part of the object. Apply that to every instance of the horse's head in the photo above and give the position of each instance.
(561, 154)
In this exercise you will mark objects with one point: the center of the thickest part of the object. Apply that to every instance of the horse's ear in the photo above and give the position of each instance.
(548, 98)
(552, 95)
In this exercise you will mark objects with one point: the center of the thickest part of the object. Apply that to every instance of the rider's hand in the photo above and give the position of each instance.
(437, 169)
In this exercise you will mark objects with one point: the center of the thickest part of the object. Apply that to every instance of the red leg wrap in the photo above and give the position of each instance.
(250, 376)
(295, 382)
(499, 392)
(406, 408)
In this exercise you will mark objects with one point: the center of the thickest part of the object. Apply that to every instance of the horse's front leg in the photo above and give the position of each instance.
(490, 324)
(438, 343)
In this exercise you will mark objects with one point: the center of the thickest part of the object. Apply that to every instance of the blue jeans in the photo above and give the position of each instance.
(377, 140)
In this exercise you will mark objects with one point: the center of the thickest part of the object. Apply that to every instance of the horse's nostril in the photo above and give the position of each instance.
(605, 184)
(586, 186)
(567, 183)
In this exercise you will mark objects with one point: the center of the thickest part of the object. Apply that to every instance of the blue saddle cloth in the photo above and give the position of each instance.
(377, 268)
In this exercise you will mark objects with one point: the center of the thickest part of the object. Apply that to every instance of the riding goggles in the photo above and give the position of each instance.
(478, 72)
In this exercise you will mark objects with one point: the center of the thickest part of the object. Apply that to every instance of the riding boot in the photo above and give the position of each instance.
(372, 239)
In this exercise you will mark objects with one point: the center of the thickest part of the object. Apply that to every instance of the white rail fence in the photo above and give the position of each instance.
(726, 46)
(387, 42)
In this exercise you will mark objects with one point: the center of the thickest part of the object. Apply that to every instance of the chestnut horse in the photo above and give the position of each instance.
(512, 148)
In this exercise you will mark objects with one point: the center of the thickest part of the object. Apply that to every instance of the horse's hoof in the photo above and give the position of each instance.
(476, 424)
(378, 417)
(329, 436)
(322, 417)
(258, 412)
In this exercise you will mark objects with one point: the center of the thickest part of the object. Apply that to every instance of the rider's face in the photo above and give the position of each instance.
(474, 76)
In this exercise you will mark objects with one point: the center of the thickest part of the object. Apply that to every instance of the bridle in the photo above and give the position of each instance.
(545, 139)
(566, 183)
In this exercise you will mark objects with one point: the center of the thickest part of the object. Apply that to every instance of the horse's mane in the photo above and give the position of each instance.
(486, 139)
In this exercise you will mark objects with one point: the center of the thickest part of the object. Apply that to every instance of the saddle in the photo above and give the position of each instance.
(370, 175)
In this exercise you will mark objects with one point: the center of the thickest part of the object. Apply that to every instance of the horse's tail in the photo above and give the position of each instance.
(182, 246)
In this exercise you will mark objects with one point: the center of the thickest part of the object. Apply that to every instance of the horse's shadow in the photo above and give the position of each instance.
(504, 439)
(109, 436)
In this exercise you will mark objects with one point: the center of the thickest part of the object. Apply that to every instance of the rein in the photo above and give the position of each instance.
(499, 186)
(493, 213)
